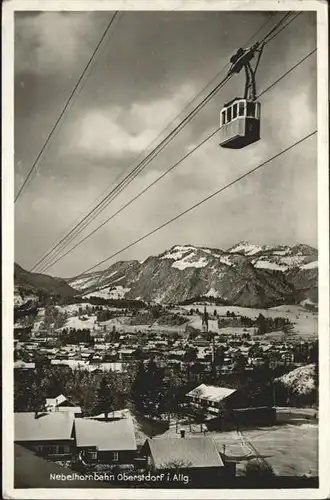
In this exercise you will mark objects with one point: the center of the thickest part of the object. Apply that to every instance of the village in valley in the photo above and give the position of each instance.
(107, 385)
(164, 321)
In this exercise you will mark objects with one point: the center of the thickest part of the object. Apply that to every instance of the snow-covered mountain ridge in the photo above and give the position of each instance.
(246, 275)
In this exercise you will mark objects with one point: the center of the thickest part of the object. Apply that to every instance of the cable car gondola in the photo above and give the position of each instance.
(240, 117)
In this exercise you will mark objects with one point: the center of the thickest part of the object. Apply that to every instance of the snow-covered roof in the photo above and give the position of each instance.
(116, 366)
(126, 351)
(55, 401)
(23, 364)
(72, 363)
(177, 352)
(71, 409)
(115, 435)
(48, 427)
(196, 451)
(125, 413)
(211, 392)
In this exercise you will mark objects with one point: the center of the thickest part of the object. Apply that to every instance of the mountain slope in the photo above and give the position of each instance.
(36, 282)
(245, 275)
(298, 263)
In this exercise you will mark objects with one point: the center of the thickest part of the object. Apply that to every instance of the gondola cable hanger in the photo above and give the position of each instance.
(240, 117)
(238, 62)
(250, 91)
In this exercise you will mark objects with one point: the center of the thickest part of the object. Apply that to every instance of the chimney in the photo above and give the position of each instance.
(224, 453)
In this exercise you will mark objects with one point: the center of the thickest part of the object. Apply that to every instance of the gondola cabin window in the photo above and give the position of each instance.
(241, 108)
(250, 109)
(235, 110)
(223, 117)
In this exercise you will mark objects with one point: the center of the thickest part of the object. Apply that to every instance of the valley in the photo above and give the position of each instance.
(145, 334)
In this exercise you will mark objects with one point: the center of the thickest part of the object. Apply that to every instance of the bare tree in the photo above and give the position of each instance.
(176, 464)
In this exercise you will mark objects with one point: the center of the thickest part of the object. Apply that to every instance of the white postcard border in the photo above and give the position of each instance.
(9, 8)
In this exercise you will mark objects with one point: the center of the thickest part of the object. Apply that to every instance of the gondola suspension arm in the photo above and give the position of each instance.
(242, 59)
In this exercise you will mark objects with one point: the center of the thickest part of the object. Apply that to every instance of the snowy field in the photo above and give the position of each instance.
(80, 324)
(109, 292)
(291, 450)
(73, 308)
(305, 322)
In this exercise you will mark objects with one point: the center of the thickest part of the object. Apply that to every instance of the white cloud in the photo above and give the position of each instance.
(114, 130)
(277, 204)
(52, 42)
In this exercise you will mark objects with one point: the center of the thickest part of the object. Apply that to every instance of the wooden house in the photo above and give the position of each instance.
(47, 434)
(227, 408)
(112, 442)
(196, 456)
(211, 397)
(61, 403)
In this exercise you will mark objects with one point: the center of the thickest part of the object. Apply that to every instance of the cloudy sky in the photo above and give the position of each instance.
(149, 67)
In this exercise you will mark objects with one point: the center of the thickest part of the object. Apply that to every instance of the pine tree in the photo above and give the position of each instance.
(38, 400)
(105, 398)
(148, 389)
(139, 387)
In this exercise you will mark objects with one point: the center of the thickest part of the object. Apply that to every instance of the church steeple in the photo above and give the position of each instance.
(205, 320)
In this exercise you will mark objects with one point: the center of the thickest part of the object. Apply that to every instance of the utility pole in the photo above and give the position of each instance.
(213, 367)
(213, 350)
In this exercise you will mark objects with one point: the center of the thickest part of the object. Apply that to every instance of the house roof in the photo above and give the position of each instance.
(125, 413)
(211, 392)
(115, 435)
(106, 367)
(73, 363)
(70, 409)
(55, 401)
(31, 471)
(46, 427)
(23, 364)
(191, 452)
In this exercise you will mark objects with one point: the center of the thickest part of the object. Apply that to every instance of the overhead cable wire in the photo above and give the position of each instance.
(100, 206)
(171, 168)
(133, 174)
(119, 18)
(52, 262)
(199, 203)
(282, 28)
(163, 144)
(66, 106)
(64, 242)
